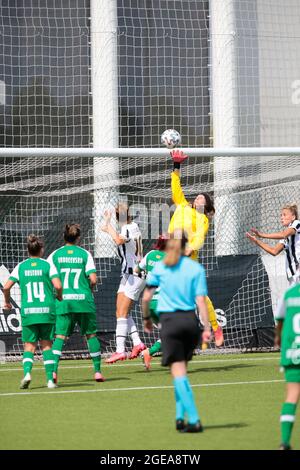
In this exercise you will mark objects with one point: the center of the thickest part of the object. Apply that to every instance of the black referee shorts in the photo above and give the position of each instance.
(180, 334)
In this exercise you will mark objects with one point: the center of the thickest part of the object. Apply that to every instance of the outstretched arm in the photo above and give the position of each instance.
(272, 250)
(108, 228)
(275, 235)
(177, 194)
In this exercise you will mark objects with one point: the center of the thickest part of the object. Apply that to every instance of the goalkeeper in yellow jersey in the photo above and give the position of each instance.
(194, 220)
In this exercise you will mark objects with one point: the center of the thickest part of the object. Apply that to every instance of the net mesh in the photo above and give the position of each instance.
(177, 60)
(41, 194)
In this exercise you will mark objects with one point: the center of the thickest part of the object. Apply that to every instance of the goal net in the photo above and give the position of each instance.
(93, 73)
(40, 194)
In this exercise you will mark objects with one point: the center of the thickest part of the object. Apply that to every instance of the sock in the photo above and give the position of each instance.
(155, 348)
(48, 358)
(287, 420)
(132, 330)
(121, 334)
(179, 406)
(57, 348)
(27, 361)
(212, 314)
(95, 352)
(185, 394)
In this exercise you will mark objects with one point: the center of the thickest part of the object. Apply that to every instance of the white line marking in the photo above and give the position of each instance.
(136, 363)
(131, 389)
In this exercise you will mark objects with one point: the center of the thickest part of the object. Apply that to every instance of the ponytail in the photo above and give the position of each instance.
(161, 243)
(175, 248)
(71, 233)
(122, 214)
(293, 208)
(34, 245)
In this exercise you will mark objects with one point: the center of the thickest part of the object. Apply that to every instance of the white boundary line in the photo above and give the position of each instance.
(132, 389)
(136, 363)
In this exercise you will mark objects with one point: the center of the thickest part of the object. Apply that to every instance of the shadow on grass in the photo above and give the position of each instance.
(154, 371)
(226, 426)
(221, 368)
(111, 379)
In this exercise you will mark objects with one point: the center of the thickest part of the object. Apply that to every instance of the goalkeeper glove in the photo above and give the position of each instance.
(178, 157)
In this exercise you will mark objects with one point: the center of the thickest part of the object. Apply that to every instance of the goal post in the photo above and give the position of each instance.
(105, 114)
(42, 189)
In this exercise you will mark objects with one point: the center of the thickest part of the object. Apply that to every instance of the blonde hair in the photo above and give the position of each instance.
(175, 248)
(293, 208)
(122, 213)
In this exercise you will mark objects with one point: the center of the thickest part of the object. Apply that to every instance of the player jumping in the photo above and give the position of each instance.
(288, 337)
(36, 278)
(129, 242)
(288, 239)
(77, 270)
(147, 264)
(194, 220)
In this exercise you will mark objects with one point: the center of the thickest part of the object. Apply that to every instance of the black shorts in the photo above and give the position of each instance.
(180, 334)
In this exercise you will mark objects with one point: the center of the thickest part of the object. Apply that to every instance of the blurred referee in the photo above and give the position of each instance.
(183, 287)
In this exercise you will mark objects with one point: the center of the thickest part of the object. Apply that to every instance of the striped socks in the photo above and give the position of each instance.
(48, 363)
(287, 420)
(95, 352)
(27, 362)
(57, 351)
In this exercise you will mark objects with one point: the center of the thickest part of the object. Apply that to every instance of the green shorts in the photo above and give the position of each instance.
(292, 374)
(40, 331)
(65, 324)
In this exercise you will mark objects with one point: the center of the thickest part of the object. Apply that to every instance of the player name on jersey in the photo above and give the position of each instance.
(33, 272)
(70, 260)
(29, 310)
(73, 296)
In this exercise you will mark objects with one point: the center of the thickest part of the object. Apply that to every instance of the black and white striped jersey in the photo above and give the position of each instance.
(131, 252)
(292, 250)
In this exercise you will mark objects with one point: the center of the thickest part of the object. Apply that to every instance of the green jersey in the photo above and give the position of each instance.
(289, 312)
(74, 265)
(37, 297)
(147, 264)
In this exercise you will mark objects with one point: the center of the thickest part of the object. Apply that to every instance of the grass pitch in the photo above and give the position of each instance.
(239, 398)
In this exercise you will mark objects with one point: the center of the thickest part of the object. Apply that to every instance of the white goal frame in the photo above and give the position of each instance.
(213, 152)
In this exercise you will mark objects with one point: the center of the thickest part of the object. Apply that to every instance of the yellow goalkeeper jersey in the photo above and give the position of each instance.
(187, 218)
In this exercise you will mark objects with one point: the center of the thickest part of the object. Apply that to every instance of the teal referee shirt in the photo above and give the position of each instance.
(179, 284)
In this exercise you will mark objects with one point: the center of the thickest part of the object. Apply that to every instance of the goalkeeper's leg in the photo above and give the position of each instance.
(218, 333)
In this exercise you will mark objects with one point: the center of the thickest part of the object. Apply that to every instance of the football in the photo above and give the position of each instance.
(171, 138)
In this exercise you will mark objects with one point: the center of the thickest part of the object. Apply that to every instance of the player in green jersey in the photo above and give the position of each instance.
(36, 278)
(146, 265)
(77, 271)
(288, 337)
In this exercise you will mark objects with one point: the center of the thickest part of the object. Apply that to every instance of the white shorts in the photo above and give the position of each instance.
(132, 286)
